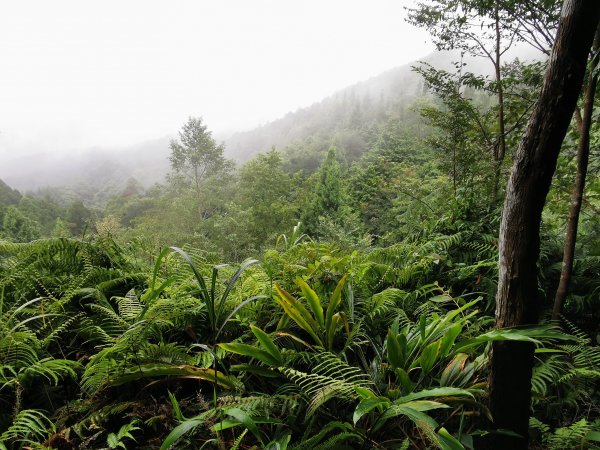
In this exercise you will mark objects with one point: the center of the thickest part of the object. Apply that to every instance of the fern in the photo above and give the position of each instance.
(343, 433)
(330, 378)
(580, 434)
(59, 330)
(29, 425)
(571, 368)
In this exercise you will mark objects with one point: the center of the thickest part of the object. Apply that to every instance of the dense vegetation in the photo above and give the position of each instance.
(366, 319)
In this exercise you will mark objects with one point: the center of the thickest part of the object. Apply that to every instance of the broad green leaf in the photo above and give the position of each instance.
(447, 441)
(364, 392)
(247, 421)
(367, 405)
(335, 301)
(593, 436)
(251, 351)
(179, 431)
(268, 344)
(456, 370)
(231, 423)
(429, 356)
(283, 322)
(440, 298)
(404, 380)
(449, 317)
(295, 338)
(313, 301)
(425, 405)
(523, 334)
(423, 421)
(396, 349)
(435, 392)
(298, 313)
(332, 329)
(422, 327)
(152, 370)
(449, 338)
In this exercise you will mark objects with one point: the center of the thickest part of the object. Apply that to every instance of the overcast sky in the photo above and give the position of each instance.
(77, 74)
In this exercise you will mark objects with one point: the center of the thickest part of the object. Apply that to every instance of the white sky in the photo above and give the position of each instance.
(76, 74)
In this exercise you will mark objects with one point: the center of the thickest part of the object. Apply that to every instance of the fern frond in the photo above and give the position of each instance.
(330, 378)
(320, 441)
(29, 425)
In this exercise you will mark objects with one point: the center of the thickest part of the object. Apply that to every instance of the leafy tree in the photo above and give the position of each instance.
(197, 156)
(488, 29)
(78, 217)
(268, 194)
(396, 184)
(61, 229)
(18, 227)
(532, 21)
(109, 226)
(42, 210)
(463, 136)
(475, 27)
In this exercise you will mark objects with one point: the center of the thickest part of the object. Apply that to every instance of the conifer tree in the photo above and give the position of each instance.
(328, 196)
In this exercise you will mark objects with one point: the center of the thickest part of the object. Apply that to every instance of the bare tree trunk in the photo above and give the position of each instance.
(583, 153)
(534, 165)
(500, 152)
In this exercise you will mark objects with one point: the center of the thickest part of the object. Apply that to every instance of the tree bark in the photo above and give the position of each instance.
(500, 150)
(534, 165)
(583, 153)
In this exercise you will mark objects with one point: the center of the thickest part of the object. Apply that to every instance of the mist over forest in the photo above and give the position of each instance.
(220, 231)
(366, 102)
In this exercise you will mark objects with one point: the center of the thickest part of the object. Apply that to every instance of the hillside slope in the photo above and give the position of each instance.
(340, 118)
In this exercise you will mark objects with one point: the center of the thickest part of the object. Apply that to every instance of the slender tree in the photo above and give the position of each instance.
(583, 153)
(477, 28)
(534, 165)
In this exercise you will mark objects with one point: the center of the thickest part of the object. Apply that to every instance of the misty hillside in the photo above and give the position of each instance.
(348, 119)
(147, 162)
(340, 120)
(346, 108)
(356, 107)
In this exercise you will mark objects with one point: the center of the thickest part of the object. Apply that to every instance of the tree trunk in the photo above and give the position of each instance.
(534, 165)
(583, 153)
(500, 151)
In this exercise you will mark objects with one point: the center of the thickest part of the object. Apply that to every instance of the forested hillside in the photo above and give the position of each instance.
(337, 119)
(412, 263)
